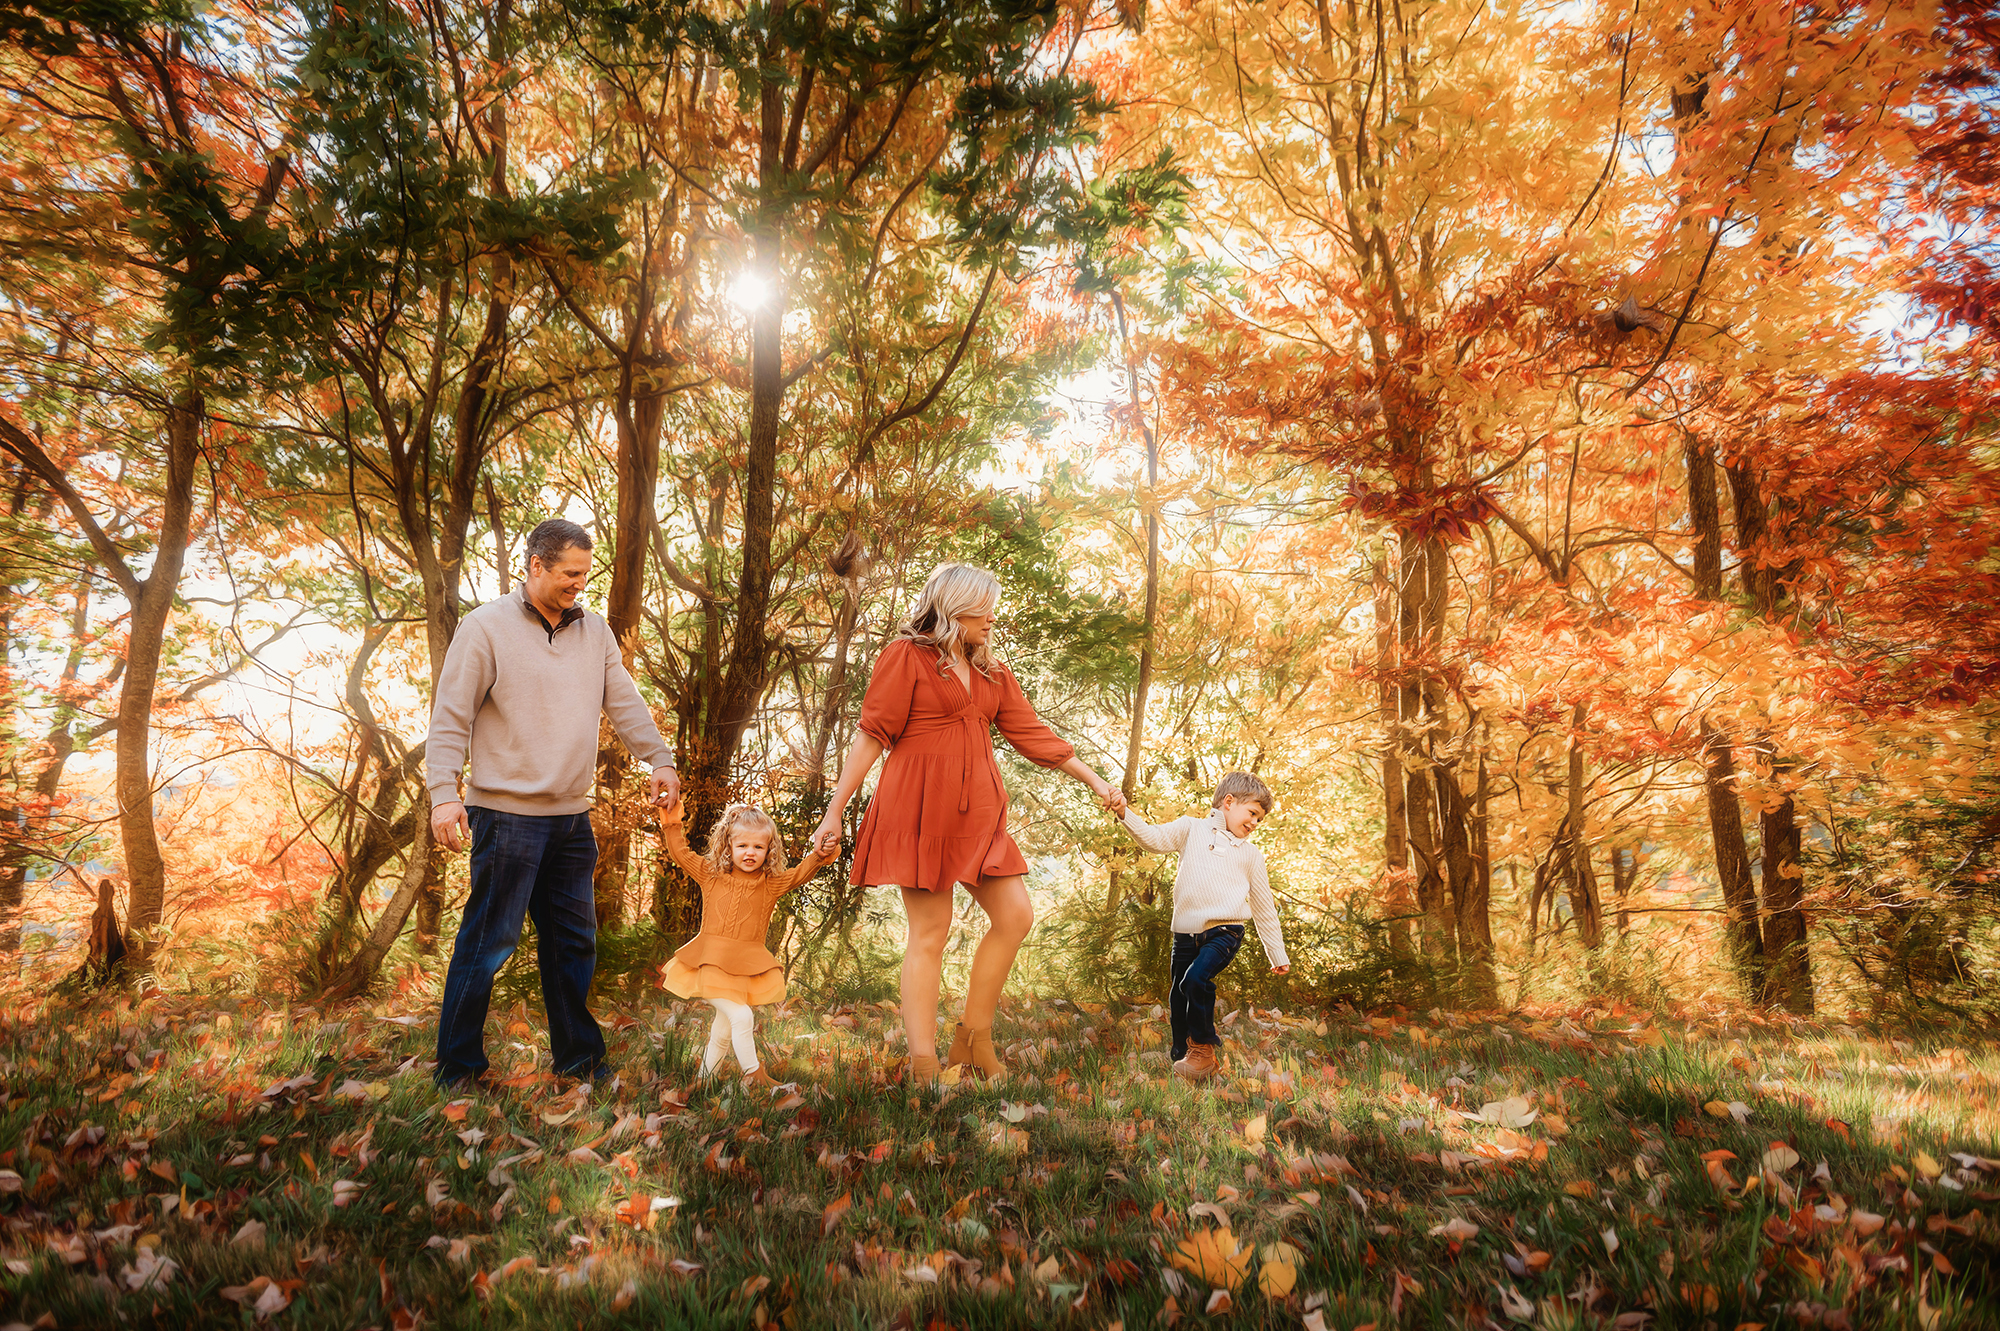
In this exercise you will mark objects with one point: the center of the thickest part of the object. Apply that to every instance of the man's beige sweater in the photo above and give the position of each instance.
(525, 701)
(1220, 879)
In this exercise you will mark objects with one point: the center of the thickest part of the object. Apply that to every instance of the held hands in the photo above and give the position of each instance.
(671, 815)
(826, 837)
(449, 826)
(1114, 800)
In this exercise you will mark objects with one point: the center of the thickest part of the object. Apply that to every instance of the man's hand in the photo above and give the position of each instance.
(449, 826)
(663, 788)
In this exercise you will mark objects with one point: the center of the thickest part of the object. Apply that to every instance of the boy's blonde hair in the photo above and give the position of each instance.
(738, 816)
(952, 590)
(1245, 787)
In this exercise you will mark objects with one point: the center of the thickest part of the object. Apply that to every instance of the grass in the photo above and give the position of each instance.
(1339, 1154)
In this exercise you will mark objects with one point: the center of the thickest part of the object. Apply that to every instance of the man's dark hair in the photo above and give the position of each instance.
(551, 538)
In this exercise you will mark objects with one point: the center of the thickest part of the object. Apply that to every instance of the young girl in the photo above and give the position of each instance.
(741, 878)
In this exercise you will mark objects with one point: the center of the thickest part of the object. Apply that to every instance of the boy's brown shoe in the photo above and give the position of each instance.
(1200, 1064)
(757, 1076)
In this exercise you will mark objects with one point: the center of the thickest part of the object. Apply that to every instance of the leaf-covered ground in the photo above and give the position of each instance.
(172, 1163)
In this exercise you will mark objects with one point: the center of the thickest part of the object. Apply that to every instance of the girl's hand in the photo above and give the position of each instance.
(673, 813)
(1285, 969)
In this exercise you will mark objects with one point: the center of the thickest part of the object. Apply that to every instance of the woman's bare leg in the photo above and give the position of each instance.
(923, 966)
(1009, 916)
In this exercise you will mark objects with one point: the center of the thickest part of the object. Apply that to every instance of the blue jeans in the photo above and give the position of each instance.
(1198, 959)
(525, 864)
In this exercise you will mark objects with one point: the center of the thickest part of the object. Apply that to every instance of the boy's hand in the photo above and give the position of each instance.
(1285, 969)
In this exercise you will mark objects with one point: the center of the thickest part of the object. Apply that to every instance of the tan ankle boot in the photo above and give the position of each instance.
(985, 1061)
(758, 1077)
(1200, 1064)
(924, 1070)
(961, 1048)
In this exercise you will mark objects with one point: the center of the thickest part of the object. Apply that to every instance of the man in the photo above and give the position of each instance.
(521, 689)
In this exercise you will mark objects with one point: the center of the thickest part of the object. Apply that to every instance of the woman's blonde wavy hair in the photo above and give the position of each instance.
(738, 816)
(952, 590)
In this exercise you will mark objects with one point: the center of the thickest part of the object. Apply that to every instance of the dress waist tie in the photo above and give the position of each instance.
(975, 733)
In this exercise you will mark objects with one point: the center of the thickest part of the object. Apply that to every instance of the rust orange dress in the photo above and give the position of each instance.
(939, 815)
(727, 958)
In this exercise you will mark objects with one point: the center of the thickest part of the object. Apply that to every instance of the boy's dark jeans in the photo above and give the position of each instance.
(525, 864)
(1198, 959)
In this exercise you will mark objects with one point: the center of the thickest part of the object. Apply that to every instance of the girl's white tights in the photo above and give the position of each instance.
(735, 1024)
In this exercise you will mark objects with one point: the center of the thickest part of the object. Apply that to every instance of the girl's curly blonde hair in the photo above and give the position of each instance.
(743, 816)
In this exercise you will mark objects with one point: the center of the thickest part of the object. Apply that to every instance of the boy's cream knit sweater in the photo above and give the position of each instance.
(1221, 878)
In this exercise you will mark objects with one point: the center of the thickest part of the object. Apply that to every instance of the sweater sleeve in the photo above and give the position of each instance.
(1029, 735)
(892, 688)
(676, 839)
(1166, 838)
(630, 716)
(462, 686)
(798, 875)
(1264, 910)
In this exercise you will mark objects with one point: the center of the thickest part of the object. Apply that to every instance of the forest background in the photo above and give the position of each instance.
(1552, 444)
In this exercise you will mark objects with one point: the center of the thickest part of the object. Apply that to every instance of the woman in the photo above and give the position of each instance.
(939, 813)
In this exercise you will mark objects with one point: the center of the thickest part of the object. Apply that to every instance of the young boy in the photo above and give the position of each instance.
(1219, 883)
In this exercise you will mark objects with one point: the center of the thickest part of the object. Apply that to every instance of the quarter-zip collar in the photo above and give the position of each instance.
(1222, 835)
(569, 616)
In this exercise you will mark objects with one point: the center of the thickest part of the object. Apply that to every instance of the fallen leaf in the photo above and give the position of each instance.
(830, 1217)
(1212, 1256)
(1219, 1303)
(1779, 1158)
(1514, 1305)
(1254, 1130)
(1610, 1237)
(1512, 1112)
(1865, 1222)
(1280, 1270)
(1927, 1167)
(1458, 1229)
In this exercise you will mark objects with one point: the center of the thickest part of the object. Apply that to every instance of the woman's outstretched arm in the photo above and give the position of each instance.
(860, 759)
(1113, 798)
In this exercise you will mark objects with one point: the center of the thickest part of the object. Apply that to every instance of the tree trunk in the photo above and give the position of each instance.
(639, 408)
(1732, 860)
(1473, 901)
(358, 974)
(1395, 816)
(1419, 589)
(1624, 873)
(145, 867)
(1725, 812)
(1144, 685)
(1789, 978)
(61, 743)
(749, 662)
(1583, 898)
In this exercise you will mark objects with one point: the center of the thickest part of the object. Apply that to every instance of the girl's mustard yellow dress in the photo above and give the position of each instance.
(727, 958)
